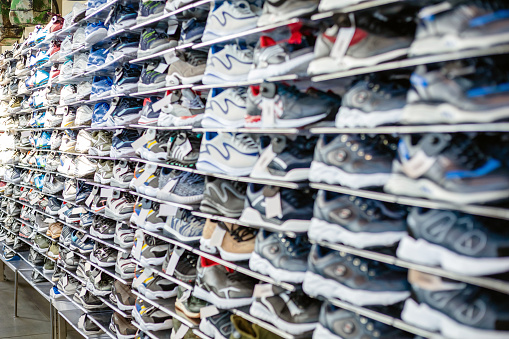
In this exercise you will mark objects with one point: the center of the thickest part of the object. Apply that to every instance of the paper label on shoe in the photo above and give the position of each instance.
(208, 311)
(161, 68)
(81, 321)
(139, 142)
(149, 170)
(263, 290)
(167, 210)
(109, 113)
(217, 237)
(137, 248)
(142, 216)
(273, 206)
(83, 292)
(79, 210)
(264, 160)
(185, 296)
(181, 332)
(343, 40)
(170, 185)
(172, 29)
(90, 198)
(107, 192)
(88, 266)
(166, 100)
(174, 259)
(171, 57)
(150, 134)
(147, 272)
(25, 134)
(268, 112)
(69, 255)
(186, 148)
(98, 278)
(434, 9)
(419, 164)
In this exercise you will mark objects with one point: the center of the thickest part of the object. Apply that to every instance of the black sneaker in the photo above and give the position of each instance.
(126, 111)
(126, 79)
(150, 78)
(154, 40)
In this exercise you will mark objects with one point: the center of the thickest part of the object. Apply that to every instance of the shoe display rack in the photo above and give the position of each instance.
(262, 169)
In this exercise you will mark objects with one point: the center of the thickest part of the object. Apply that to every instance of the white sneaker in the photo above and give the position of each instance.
(104, 172)
(84, 141)
(228, 64)
(227, 153)
(225, 108)
(85, 167)
(69, 117)
(122, 175)
(83, 115)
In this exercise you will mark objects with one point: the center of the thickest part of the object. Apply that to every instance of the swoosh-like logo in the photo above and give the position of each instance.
(226, 148)
(224, 14)
(229, 58)
(227, 103)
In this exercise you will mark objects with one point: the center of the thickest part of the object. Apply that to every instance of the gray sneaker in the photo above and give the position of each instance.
(351, 160)
(448, 167)
(184, 227)
(223, 197)
(356, 280)
(281, 257)
(153, 319)
(357, 222)
(158, 288)
(464, 26)
(153, 251)
(294, 312)
(188, 188)
(300, 109)
(444, 94)
(336, 322)
(221, 286)
(68, 284)
(276, 11)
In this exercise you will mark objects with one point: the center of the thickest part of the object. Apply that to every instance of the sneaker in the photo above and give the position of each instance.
(357, 222)
(121, 145)
(156, 149)
(121, 326)
(156, 287)
(188, 304)
(95, 32)
(222, 286)
(119, 207)
(126, 111)
(296, 208)
(101, 87)
(187, 188)
(280, 257)
(104, 172)
(151, 78)
(275, 11)
(103, 228)
(85, 167)
(124, 236)
(354, 161)
(287, 107)
(123, 298)
(213, 149)
(230, 18)
(184, 149)
(104, 256)
(225, 108)
(126, 79)
(151, 318)
(291, 160)
(218, 325)
(102, 143)
(238, 242)
(445, 248)
(84, 141)
(230, 63)
(184, 227)
(122, 174)
(124, 266)
(186, 109)
(293, 312)
(288, 56)
(191, 31)
(471, 181)
(189, 69)
(148, 116)
(223, 197)
(356, 280)
(153, 40)
(83, 91)
(451, 29)
(150, 10)
(153, 251)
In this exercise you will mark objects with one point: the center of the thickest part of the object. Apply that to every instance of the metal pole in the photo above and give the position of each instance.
(15, 293)
(51, 320)
(2, 268)
(62, 330)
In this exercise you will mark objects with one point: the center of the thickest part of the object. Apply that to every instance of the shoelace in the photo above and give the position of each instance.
(244, 141)
(241, 233)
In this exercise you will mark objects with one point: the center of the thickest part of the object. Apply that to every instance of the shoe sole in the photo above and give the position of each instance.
(259, 311)
(333, 175)
(281, 69)
(321, 230)
(352, 117)
(422, 252)
(253, 217)
(200, 293)
(316, 285)
(263, 266)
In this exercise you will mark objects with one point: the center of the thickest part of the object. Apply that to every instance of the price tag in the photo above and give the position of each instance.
(69, 255)
(109, 113)
(139, 240)
(161, 68)
(106, 192)
(186, 148)
(147, 272)
(78, 210)
(166, 210)
(273, 206)
(171, 57)
(263, 290)
(88, 266)
(174, 259)
(142, 216)
(265, 159)
(90, 198)
(268, 112)
(208, 311)
(185, 296)
(170, 185)
(83, 291)
(98, 278)
(217, 237)
(140, 142)
(165, 101)
(172, 29)
(343, 40)
(181, 332)
(81, 321)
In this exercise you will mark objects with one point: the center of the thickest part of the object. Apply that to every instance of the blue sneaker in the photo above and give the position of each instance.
(101, 87)
(39, 181)
(192, 31)
(150, 10)
(100, 110)
(121, 145)
(96, 59)
(296, 208)
(152, 40)
(44, 140)
(122, 47)
(95, 32)
(42, 57)
(184, 227)
(122, 17)
(81, 242)
(127, 111)
(148, 115)
(360, 281)
(126, 79)
(150, 78)
(93, 6)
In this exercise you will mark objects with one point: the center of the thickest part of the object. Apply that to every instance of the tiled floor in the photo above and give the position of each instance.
(33, 312)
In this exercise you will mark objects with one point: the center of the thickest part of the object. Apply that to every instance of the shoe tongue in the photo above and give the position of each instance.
(266, 41)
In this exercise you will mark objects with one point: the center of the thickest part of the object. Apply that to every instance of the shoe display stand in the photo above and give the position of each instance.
(26, 203)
